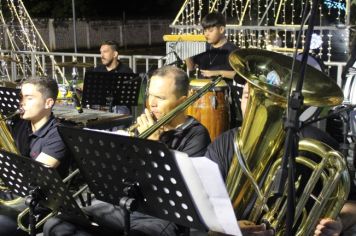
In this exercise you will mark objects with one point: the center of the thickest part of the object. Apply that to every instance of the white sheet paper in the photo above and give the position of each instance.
(208, 190)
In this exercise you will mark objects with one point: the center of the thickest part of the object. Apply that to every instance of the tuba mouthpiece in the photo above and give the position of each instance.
(15, 113)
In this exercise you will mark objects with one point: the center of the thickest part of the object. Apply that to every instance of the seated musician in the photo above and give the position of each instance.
(36, 136)
(221, 151)
(109, 53)
(345, 223)
(168, 88)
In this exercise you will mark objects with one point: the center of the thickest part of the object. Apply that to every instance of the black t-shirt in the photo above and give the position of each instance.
(221, 150)
(215, 58)
(46, 140)
(121, 68)
(191, 137)
(218, 59)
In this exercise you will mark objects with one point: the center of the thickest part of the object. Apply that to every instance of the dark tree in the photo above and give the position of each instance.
(103, 8)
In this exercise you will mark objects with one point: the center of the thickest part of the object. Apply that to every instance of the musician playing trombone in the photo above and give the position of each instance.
(36, 136)
(168, 88)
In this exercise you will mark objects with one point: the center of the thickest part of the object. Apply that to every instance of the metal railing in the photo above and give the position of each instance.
(138, 63)
(11, 70)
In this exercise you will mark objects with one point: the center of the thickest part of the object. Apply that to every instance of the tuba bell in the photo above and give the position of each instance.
(7, 143)
(259, 143)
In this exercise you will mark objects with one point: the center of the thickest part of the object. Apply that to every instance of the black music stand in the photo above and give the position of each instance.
(40, 185)
(136, 174)
(111, 89)
(9, 100)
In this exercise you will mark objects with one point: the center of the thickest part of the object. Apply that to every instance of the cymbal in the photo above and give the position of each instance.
(75, 64)
(8, 58)
(271, 72)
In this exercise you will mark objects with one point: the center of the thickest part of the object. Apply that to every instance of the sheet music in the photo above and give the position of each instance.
(208, 191)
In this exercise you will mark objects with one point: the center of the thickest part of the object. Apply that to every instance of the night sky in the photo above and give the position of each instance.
(104, 8)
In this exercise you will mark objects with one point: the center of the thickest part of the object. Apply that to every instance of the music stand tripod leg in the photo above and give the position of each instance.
(32, 201)
(129, 203)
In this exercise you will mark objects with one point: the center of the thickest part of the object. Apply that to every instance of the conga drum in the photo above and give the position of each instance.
(350, 89)
(213, 109)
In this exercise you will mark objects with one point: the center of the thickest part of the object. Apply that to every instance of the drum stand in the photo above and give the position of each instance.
(32, 202)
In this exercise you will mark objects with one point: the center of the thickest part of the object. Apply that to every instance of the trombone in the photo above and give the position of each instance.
(181, 107)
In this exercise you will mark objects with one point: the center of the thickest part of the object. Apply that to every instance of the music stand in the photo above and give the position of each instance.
(111, 89)
(137, 174)
(9, 100)
(26, 177)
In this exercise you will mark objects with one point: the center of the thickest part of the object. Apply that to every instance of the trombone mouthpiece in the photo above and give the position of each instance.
(133, 127)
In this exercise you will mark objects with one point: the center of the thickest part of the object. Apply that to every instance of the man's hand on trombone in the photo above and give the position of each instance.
(145, 121)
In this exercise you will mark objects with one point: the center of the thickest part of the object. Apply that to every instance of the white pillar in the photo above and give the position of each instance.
(52, 35)
(87, 31)
(149, 32)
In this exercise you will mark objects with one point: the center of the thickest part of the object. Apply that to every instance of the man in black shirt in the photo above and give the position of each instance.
(36, 136)
(221, 151)
(215, 61)
(168, 88)
(109, 52)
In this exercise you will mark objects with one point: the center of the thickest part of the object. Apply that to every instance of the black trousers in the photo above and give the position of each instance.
(111, 221)
(8, 220)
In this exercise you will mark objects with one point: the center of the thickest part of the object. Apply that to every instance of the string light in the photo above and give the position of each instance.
(329, 46)
(293, 11)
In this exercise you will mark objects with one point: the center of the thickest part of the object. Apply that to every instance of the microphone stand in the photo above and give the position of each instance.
(72, 88)
(291, 125)
(344, 114)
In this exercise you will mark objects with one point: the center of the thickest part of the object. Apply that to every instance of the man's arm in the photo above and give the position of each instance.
(190, 64)
(345, 220)
(348, 214)
(248, 229)
(53, 150)
(48, 160)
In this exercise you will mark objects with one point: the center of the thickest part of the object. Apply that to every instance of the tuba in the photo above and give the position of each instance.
(259, 147)
(7, 143)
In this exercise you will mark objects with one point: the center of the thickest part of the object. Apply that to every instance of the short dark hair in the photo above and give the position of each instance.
(46, 86)
(213, 19)
(180, 77)
(113, 44)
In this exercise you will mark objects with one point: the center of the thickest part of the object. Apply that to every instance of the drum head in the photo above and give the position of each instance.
(199, 83)
(350, 90)
(309, 113)
(312, 61)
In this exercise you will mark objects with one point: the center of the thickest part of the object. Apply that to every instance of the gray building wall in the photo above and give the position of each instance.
(58, 34)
